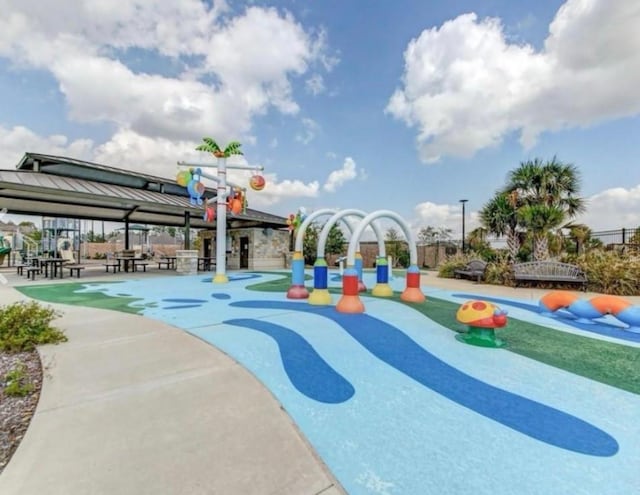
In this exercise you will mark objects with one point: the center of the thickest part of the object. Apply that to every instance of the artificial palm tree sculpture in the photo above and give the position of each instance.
(210, 146)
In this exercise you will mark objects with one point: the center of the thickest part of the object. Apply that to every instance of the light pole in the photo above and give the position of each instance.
(463, 201)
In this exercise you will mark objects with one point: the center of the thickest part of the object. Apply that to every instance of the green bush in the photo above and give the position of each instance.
(17, 382)
(499, 271)
(24, 325)
(455, 262)
(610, 272)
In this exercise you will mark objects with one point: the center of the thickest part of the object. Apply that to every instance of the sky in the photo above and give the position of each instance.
(403, 105)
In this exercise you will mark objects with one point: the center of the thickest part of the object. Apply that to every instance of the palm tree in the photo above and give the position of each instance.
(210, 146)
(500, 217)
(548, 190)
(580, 234)
(540, 221)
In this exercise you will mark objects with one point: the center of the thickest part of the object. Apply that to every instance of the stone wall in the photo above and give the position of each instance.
(268, 248)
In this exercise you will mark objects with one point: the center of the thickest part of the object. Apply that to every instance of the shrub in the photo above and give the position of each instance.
(612, 273)
(24, 325)
(455, 262)
(498, 272)
(17, 382)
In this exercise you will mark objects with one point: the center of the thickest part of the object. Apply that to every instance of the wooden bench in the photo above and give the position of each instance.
(474, 270)
(549, 271)
(74, 269)
(112, 264)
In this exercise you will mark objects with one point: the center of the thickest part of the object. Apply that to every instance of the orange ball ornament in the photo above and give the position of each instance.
(257, 182)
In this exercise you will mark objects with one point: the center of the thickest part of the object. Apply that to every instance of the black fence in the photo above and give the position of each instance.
(618, 237)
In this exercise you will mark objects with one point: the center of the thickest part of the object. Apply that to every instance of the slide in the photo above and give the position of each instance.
(4, 251)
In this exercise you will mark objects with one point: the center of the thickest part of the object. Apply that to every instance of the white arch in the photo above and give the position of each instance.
(306, 222)
(353, 243)
(324, 233)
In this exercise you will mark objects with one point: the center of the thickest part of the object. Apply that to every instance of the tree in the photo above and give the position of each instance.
(427, 235)
(580, 234)
(546, 195)
(394, 245)
(335, 241)
(540, 221)
(477, 240)
(310, 243)
(500, 217)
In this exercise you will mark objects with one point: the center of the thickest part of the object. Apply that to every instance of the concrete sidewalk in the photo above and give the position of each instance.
(133, 406)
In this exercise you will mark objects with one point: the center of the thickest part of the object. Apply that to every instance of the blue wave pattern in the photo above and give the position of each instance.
(599, 327)
(306, 369)
(183, 303)
(526, 416)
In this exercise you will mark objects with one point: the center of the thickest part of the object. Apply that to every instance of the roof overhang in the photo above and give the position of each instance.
(30, 190)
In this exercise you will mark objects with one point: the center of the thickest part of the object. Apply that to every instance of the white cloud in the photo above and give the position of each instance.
(613, 209)
(15, 141)
(235, 68)
(279, 191)
(443, 216)
(610, 209)
(465, 87)
(337, 178)
(309, 133)
(315, 84)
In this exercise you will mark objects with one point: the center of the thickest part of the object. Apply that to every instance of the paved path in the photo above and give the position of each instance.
(134, 406)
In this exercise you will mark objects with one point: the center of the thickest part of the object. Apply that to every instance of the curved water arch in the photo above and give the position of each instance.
(297, 290)
(320, 294)
(350, 302)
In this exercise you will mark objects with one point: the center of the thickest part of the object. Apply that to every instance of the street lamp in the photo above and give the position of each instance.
(463, 201)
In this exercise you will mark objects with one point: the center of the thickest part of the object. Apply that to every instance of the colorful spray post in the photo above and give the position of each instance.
(320, 294)
(191, 180)
(350, 301)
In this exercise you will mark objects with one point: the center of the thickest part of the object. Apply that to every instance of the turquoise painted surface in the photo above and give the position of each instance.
(394, 435)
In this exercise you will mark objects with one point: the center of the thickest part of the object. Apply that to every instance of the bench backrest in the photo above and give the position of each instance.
(476, 265)
(548, 269)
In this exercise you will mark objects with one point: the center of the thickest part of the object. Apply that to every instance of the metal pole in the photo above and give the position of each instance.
(463, 201)
(187, 230)
(221, 224)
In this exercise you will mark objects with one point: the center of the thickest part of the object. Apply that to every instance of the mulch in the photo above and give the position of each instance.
(16, 412)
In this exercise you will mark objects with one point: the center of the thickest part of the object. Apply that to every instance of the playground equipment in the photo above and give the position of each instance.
(233, 199)
(320, 294)
(596, 307)
(5, 248)
(350, 301)
(299, 224)
(481, 318)
(55, 230)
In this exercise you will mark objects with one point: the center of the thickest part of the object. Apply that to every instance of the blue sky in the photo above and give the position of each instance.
(406, 105)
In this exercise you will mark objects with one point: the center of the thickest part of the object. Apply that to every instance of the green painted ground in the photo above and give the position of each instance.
(614, 364)
(617, 365)
(66, 294)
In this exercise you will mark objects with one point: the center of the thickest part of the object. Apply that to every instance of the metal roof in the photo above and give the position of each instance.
(65, 187)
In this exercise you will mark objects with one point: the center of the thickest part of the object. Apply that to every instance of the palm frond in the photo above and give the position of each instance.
(233, 148)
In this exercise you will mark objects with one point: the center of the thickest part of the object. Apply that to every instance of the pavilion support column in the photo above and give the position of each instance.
(187, 230)
(126, 233)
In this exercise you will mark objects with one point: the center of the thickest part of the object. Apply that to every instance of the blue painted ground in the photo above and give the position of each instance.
(395, 405)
